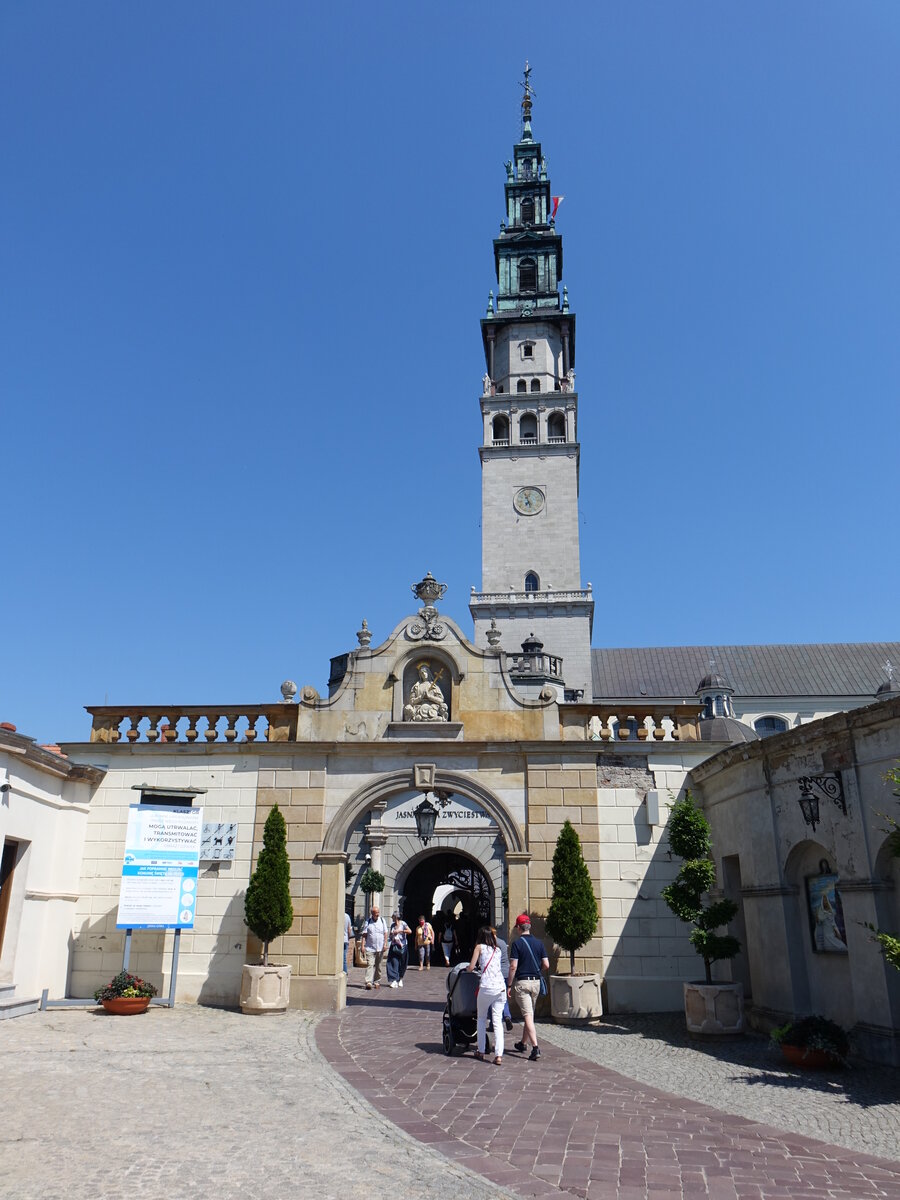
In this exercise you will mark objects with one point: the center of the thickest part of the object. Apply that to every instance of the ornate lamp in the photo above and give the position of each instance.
(809, 804)
(426, 815)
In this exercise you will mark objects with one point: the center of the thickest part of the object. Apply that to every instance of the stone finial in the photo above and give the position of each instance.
(364, 635)
(288, 691)
(490, 304)
(428, 589)
(565, 306)
(494, 634)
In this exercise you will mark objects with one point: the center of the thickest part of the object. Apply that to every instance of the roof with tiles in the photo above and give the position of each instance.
(817, 669)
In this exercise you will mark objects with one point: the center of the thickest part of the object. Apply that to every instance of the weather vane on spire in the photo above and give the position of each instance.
(526, 82)
(529, 92)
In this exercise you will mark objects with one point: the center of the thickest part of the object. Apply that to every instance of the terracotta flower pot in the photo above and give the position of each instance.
(810, 1059)
(126, 1006)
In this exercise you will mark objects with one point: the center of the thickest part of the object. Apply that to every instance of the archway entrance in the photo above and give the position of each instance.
(450, 888)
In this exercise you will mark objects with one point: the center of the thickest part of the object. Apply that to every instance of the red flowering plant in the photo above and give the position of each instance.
(126, 985)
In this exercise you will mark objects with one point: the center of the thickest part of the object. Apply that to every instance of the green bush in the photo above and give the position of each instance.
(689, 840)
(572, 918)
(267, 907)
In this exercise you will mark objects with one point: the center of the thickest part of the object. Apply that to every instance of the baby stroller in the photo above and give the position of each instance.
(460, 1019)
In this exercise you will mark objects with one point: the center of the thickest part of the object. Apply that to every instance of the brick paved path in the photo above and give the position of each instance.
(564, 1126)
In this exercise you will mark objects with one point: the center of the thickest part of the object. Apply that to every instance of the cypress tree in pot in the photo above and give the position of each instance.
(572, 922)
(268, 913)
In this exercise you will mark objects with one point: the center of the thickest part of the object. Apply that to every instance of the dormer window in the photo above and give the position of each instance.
(528, 350)
(528, 211)
(527, 275)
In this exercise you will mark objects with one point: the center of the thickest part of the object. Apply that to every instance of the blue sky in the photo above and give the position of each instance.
(245, 250)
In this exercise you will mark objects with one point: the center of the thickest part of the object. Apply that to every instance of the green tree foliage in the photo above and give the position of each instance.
(889, 942)
(689, 840)
(371, 881)
(572, 919)
(267, 907)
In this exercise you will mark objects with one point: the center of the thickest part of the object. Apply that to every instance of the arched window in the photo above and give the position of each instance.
(707, 706)
(765, 726)
(527, 275)
(521, 386)
(556, 427)
(528, 211)
(535, 385)
(719, 707)
(500, 430)
(528, 429)
(532, 583)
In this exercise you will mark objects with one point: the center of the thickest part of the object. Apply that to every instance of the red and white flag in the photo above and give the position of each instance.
(556, 201)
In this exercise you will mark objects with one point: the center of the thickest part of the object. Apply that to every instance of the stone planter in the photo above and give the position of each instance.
(126, 1006)
(714, 1009)
(575, 998)
(265, 990)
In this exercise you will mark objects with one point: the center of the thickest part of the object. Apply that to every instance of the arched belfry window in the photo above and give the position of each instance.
(500, 429)
(528, 428)
(535, 385)
(528, 211)
(532, 583)
(527, 275)
(556, 427)
(521, 386)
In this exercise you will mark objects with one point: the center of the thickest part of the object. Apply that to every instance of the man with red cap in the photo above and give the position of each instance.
(527, 958)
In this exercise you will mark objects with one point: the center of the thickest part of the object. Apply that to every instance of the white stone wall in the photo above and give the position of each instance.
(47, 816)
(212, 954)
(751, 797)
(646, 952)
(547, 542)
(510, 363)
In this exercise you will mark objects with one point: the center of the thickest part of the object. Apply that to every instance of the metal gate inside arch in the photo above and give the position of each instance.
(449, 887)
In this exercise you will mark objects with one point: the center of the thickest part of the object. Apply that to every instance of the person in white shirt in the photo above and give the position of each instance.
(348, 929)
(491, 992)
(375, 936)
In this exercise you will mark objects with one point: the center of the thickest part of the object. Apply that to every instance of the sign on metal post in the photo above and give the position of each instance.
(160, 867)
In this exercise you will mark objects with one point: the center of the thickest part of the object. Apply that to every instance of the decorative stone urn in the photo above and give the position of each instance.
(575, 999)
(265, 990)
(714, 1009)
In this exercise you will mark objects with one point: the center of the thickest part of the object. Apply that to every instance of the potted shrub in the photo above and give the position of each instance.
(268, 913)
(709, 1007)
(813, 1042)
(125, 994)
(572, 922)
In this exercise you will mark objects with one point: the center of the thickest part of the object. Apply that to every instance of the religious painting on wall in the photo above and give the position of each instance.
(826, 914)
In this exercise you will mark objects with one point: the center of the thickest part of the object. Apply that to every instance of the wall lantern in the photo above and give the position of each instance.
(426, 815)
(829, 786)
(809, 805)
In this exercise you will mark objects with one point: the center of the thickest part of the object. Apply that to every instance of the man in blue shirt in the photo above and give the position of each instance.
(527, 958)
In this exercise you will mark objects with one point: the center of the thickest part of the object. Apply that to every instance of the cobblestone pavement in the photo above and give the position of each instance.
(197, 1103)
(857, 1108)
(567, 1126)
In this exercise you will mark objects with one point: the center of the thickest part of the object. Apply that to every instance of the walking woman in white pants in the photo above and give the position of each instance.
(491, 992)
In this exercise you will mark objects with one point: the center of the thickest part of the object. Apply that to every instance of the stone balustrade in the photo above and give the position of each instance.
(541, 596)
(661, 723)
(545, 666)
(187, 724)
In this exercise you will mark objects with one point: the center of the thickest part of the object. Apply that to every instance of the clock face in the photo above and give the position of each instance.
(528, 501)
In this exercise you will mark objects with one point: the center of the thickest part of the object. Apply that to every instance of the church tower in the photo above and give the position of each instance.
(530, 560)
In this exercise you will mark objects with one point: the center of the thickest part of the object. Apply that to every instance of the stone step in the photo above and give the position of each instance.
(10, 1006)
